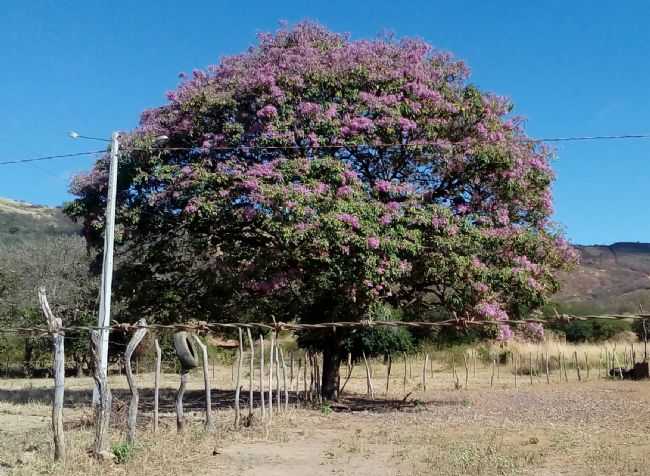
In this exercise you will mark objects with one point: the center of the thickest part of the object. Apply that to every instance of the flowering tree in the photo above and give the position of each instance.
(318, 178)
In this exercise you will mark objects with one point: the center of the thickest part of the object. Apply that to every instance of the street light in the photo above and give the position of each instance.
(104, 318)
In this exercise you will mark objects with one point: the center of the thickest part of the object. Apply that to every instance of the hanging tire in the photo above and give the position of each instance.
(185, 351)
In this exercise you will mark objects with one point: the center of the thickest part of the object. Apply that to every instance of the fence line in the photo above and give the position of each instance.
(204, 326)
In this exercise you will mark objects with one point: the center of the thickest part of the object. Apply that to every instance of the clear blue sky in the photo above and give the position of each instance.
(571, 67)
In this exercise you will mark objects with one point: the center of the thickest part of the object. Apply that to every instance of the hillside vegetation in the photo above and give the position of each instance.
(614, 278)
(609, 278)
(21, 221)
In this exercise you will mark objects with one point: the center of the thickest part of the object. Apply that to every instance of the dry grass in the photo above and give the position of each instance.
(597, 426)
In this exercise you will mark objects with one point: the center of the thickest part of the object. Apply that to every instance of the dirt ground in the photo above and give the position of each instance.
(593, 427)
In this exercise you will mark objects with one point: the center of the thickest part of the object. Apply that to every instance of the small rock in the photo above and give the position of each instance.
(533, 440)
(105, 456)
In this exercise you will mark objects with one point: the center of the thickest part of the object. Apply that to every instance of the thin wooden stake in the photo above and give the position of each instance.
(466, 369)
(347, 377)
(138, 335)
(206, 383)
(156, 385)
(251, 372)
(284, 381)
(494, 364)
(390, 364)
(575, 358)
(240, 361)
(548, 377)
(587, 365)
(270, 399)
(405, 364)
(516, 362)
(180, 417)
(424, 372)
(103, 403)
(278, 397)
(370, 389)
(530, 366)
(262, 404)
(54, 325)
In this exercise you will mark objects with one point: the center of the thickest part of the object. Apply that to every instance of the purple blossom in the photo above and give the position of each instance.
(267, 112)
(350, 219)
(505, 332)
(344, 191)
(386, 219)
(383, 186)
(491, 311)
(308, 108)
(320, 188)
(373, 242)
(252, 185)
(407, 124)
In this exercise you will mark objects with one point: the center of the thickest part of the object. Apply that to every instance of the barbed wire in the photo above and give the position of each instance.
(207, 327)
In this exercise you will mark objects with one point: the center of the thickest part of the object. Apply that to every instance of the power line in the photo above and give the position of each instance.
(52, 157)
(333, 146)
(584, 138)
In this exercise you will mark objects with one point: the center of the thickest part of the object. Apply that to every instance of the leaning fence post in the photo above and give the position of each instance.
(138, 335)
(206, 383)
(156, 384)
(371, 390)
(103, 403)
(54, 324)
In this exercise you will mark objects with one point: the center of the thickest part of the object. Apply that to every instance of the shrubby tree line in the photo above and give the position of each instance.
(314, 179)
(61, 263)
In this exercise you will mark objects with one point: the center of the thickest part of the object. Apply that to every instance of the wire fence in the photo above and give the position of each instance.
(207, 327)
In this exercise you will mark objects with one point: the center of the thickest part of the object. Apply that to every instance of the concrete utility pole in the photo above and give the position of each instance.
(107, 266)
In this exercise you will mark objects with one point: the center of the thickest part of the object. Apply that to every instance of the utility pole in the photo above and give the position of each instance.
(104, 319)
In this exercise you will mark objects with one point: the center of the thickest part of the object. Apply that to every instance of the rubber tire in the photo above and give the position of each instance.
(185, 351)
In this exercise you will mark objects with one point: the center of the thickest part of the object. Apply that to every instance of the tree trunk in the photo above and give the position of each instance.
(331, 363)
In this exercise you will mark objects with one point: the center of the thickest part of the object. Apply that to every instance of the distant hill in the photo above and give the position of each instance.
(20, 221)
(614, 278)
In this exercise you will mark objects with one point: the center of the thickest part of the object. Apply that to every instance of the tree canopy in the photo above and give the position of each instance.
(318, 178)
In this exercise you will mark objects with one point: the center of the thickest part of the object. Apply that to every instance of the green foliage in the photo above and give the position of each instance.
(326, 408)
(123, 452)
(593, 330)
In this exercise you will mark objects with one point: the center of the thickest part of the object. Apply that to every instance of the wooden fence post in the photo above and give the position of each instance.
(587, 364)
(494, 362)
(390, 364)
(370, 388)
(251, 371)
(548, 377)
(405, 370)
(262, 404)
(54, 325)
(138, 335)
(240, 361)
(466, 369)
(270, 400)
(424, 372)
(284, 381)
(156, 384)
(180, 418)
(103, 403)
(278, 397)
(530, 366)
(347, 377)
(206, 383)
(575, 358)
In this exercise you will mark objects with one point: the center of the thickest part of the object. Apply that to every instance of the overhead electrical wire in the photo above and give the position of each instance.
(334, 146)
